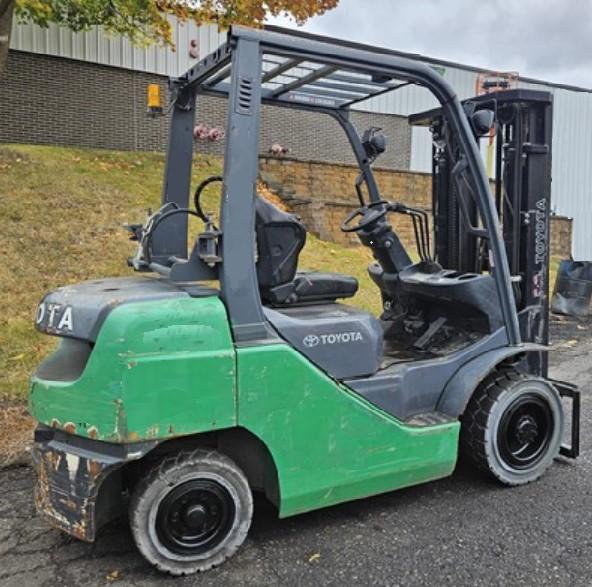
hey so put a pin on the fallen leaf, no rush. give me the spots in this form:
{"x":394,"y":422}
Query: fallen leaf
{"x":314,"y":558}
{"x":113,"y":576}
{"x":572,"y":342}
{"x":18,"y":357}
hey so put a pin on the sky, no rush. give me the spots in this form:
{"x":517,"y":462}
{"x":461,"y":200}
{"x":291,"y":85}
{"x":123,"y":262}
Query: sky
{"x":549,"y":40}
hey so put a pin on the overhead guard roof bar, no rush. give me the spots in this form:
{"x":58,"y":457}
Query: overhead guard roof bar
{"x":202,"y":70}
{"x":326,"y":81}
{"x":288,"y":64}
{"x":297,"y":83}
{"x":314,"y":83}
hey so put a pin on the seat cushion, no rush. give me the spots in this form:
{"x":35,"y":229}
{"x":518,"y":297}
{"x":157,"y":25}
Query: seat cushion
{"x":312,"y":286}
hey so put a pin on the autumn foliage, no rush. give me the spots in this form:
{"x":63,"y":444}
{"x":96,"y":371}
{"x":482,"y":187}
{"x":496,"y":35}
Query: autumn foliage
{"x":146,"y":21}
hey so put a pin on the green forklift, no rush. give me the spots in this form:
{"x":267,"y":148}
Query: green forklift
{"x":224,"y":370}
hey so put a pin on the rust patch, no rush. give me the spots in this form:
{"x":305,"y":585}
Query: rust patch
{"x":120,"y":420}
{"x":53,"y":460}
{"x":70,"y":504}
{"x":94,"y":469}
{"x":56,"y":500}
{"x":133,"y":436}
{"x":55,"y":423}
{"x":41,"y":489}
{"x":92,"y":432}
{"x":152,"y":431}
{"x":70,"y":427}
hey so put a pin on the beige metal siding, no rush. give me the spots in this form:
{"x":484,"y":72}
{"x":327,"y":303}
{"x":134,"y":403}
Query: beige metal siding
{"x":98,"y":47}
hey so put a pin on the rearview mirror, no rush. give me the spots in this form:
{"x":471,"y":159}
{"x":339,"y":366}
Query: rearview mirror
{"x":374,"y":142}
{"x":482,"y":121}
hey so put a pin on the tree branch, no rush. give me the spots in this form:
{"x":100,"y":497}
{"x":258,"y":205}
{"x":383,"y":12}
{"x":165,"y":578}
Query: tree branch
{"x":6,"y":11}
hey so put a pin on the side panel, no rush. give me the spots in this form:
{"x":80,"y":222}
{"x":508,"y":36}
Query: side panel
{"x":158,"y":369}
{"x":330,"y":445}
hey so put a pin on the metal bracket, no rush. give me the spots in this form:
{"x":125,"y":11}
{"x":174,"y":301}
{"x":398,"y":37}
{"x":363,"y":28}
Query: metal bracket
{"x":572,"y":392}
{"x":207,"y":245}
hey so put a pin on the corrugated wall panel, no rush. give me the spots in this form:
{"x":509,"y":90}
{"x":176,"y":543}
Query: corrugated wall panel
{"x":98,"y":47}
{"x":572,"y":165}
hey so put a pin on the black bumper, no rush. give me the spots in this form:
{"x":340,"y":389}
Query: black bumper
{"x":76,"y":489}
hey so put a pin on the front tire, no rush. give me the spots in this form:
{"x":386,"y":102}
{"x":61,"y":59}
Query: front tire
{"x":512,"y":427}
{"x":191,"y":512}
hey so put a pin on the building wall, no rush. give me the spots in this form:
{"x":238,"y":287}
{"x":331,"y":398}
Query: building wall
{"x":572,"y":144}
{"x":322,"y":195}
{"x":309,"y":135}
{"x":51,"y":100}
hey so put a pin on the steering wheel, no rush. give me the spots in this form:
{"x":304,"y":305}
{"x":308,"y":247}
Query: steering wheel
{"x":368,"y":216}
{"x":198,"y":191}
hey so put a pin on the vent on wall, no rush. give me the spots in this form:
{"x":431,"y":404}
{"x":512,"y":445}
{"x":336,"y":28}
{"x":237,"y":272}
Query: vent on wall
{"x":244,"y":96}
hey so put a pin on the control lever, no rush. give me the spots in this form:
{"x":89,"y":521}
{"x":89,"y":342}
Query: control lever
{"x":207,"y":242}
{"x":421,"y":227}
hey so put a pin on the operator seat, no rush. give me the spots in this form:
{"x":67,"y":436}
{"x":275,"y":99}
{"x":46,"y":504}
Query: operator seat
{"x":280,"y":238}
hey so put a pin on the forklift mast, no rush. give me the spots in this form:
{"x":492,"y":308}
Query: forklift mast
{"x":521,"y":186}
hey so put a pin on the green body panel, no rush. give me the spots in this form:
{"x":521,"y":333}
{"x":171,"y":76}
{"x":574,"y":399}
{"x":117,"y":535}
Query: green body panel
{"x":329,"y":445}
{"x":159,"y":369}
{"x":168,"y":368}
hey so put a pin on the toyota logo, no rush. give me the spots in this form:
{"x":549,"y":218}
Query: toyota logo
{"x":311,"y":340}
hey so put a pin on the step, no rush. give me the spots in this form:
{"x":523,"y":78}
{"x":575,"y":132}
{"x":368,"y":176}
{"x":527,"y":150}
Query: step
{"x":429,"y":419}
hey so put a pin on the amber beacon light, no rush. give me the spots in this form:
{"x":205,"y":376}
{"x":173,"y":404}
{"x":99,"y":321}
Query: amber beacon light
{"x":154,"y":104}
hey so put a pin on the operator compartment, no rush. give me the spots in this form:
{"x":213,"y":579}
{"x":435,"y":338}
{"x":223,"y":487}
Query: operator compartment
{"x":342,"y":340}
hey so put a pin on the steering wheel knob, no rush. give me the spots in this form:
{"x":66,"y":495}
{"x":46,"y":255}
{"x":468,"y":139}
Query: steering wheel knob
{"x":368,"y":216}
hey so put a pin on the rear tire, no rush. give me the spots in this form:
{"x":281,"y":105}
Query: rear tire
{"x":512,"y":427}
{"x":191,"y":512}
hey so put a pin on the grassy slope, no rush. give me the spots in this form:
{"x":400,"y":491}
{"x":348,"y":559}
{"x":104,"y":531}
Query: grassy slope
{"x":61,"y":212}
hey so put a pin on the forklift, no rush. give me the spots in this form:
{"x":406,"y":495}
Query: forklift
{"x":224,"y":370}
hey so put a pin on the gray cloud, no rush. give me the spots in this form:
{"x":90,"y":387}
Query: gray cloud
{"x":546,"y":39}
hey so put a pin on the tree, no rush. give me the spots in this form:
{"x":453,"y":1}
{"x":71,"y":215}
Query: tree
{"x":145,"y":21}
{"x":6,"y":10}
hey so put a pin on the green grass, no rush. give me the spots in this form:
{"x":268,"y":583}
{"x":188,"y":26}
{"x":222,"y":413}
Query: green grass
{"x":61,"y":216}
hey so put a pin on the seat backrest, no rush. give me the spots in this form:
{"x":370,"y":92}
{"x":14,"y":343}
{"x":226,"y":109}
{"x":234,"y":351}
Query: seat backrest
{"x":280,"y":238}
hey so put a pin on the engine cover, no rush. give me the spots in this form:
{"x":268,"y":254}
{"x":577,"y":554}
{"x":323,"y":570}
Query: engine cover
{"x":78,"y":311}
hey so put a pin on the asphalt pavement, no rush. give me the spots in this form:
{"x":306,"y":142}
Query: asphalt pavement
{"x":464,"y":530}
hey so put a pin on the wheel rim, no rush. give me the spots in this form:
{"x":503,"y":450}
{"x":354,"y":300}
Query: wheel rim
{"x":525,"y":431}
{"x":195,"y":516}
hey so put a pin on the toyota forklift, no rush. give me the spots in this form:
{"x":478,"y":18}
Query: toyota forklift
{"x":224,"y":370}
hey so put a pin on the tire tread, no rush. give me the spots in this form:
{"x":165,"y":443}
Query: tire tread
{"x":475,"y":418}
{"x":158,"y":472}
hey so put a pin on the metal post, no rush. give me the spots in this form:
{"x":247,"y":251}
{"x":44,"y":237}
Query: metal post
{"x":238,"y":276}
{"x":170,"y":239}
